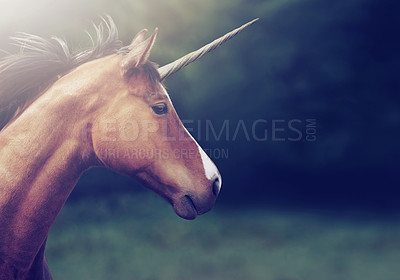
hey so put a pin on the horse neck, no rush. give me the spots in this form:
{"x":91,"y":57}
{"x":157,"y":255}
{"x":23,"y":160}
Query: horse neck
{"x":42,"y":155}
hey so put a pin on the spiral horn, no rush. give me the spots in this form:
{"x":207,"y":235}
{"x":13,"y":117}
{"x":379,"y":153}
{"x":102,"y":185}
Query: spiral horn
{"x":173,"y":67}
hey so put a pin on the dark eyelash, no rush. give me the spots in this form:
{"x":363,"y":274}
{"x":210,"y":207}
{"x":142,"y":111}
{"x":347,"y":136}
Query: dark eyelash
{"x":160,"y":108}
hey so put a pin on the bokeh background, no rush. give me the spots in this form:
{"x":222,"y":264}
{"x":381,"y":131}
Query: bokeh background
{"x":306,"y":102}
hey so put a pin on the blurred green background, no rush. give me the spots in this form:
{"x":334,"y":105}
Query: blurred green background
{"x":290,"y":208}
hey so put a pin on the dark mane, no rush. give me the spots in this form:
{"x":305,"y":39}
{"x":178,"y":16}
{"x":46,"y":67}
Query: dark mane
{"x":26,"y":75}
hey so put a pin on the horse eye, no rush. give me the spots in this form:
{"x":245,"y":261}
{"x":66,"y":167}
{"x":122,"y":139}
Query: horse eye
{"x":160,"y":108}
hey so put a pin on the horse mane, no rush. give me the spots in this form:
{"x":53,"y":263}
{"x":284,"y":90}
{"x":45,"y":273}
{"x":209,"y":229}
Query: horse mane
{"x":40,"y":62}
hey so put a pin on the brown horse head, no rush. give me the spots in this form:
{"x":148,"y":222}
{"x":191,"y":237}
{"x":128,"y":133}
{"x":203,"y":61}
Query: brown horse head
{"x":61,"y":113}
{"x":138,"y":133}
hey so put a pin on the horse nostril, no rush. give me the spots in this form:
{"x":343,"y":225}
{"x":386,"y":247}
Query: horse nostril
{"x":216,"y":186}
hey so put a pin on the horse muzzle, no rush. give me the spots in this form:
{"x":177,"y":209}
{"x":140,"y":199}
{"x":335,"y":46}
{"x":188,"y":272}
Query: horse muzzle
{"x":191,"y":205}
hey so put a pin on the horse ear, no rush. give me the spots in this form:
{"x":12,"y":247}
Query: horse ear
{"x":139,"y":51}
{"x":139,"y":38}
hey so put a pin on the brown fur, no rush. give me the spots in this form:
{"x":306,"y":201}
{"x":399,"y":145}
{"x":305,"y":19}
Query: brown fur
{"x":66,"y":130}
{"x":26,"y":75}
